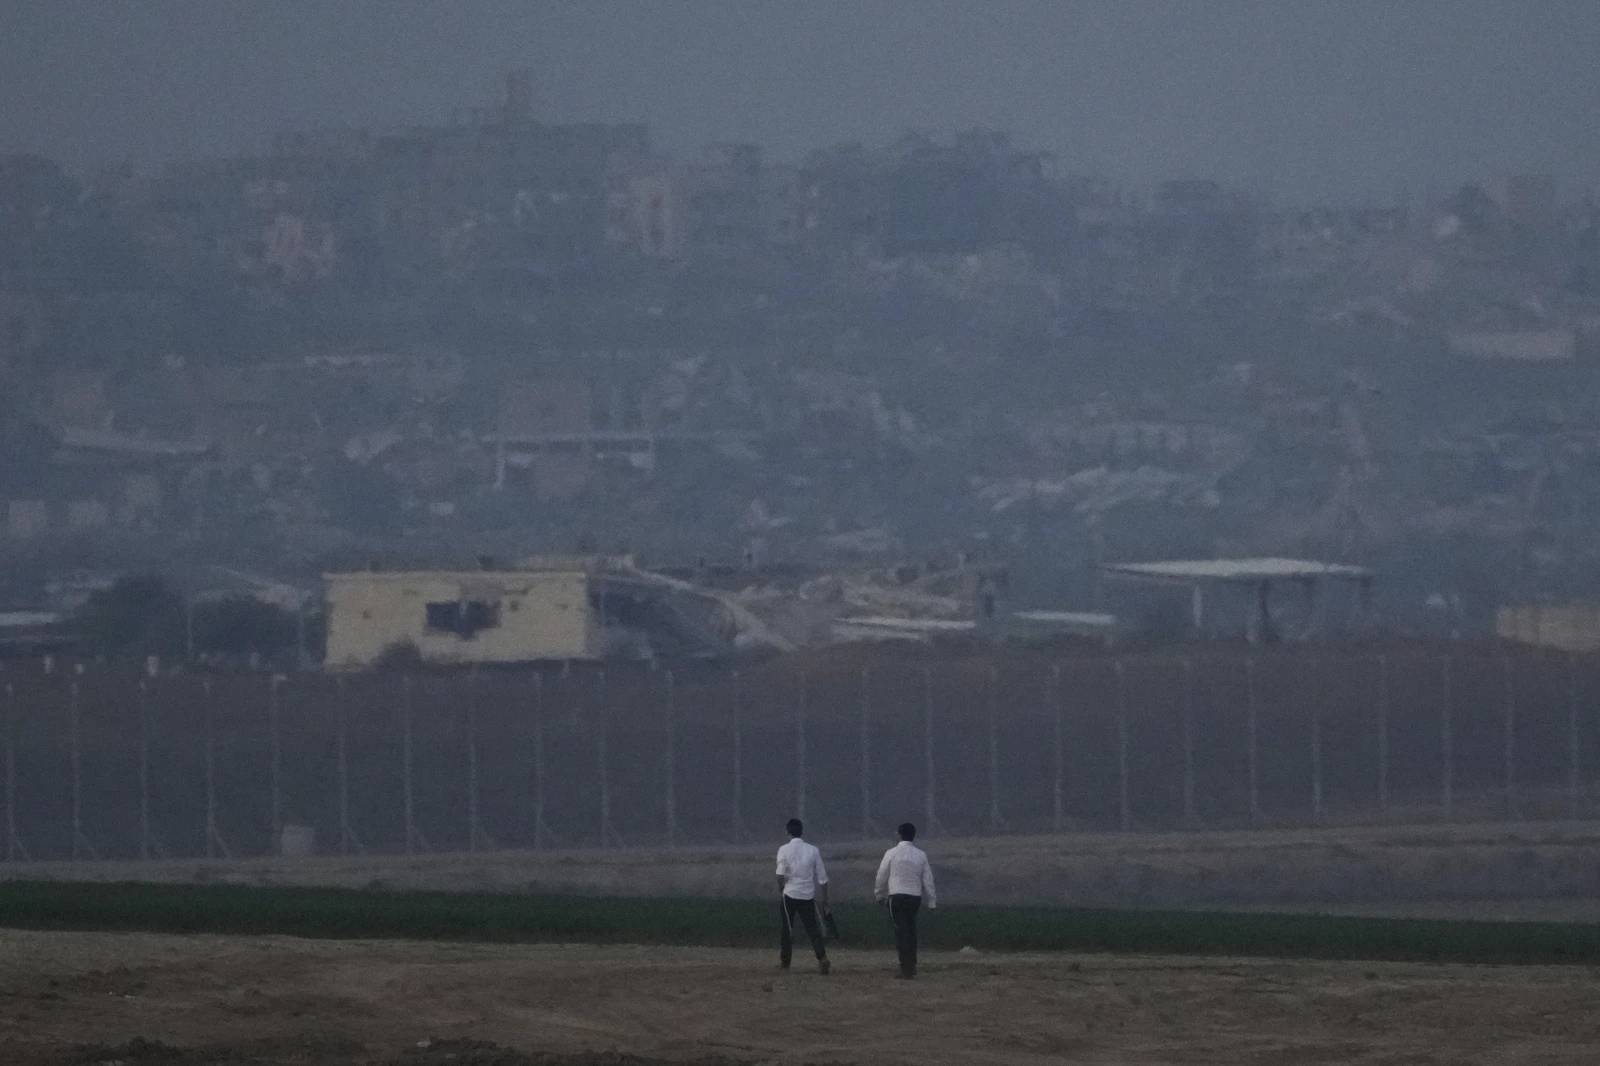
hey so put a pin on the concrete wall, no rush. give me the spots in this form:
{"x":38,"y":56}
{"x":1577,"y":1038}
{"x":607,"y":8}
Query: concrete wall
{"x":537,"y":615}
{"x":1568,"y":627}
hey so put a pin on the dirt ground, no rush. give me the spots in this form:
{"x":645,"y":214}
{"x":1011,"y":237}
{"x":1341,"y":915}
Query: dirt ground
{"x":142,"y":1000}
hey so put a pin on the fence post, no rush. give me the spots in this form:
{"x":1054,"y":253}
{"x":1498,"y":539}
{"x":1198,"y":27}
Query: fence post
{"x":346,"y":836}
{"x":1447,"y":744}
{"x":14,"y":848}
{"x":1059,"y":812}
{"x":598,"y":720}
{"x":275,"y":757}
{"x":1508,"y":671}
{"x":482,"y":838}
{"x":929,"y":813}
{"x":472,"y":761}
{"x":76,"y":757}
{"x":210,"y":770}
{"x":737,"y":821}
{"x":800,"y":749}
{"x":408,"y":795}
{"x":538,"y":763}
{"x":1191,"y":815}
{"x":608,"y":835}
{"x":669,"y":795}
{"x":5,"y":756}
{"x":1316,"y":742}
{"x":1250,"y":737}
{"x":1383,"y":734}
{"x":866,"y":754}
{"x":1574,"y":778}
{"x":996,"y":821}
{"x":1124,"y":807}
{"x":144,"y":770}
{"x":214,"y":837}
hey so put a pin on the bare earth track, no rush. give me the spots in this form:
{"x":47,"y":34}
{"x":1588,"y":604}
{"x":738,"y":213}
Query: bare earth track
{"x":143,"y":999}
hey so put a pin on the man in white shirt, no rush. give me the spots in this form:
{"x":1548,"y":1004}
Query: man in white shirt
{"x":803,"y":882}
{"x":904,"y":880}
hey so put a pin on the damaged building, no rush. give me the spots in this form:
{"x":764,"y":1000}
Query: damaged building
{"x":551,"y":608}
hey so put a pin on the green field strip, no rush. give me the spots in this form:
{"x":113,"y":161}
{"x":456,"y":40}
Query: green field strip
{"x":503,"y":918}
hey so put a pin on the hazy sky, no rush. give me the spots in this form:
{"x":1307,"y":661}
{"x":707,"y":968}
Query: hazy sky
{"x":1350,"y":98}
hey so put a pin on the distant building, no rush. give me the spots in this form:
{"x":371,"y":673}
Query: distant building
{"x":22,"y":328}
{"x":29,"y":633}
{"x":646,"y":212}
{"x":27,"y":519}
{"x":1520,"y":345}
{"x":77,"y":399}
{"x":549,"y":608}
{"x":1258,"y":577}
{"x":546,"y":437}
{"x":1568,"y":627}
{"x":472,"y":616}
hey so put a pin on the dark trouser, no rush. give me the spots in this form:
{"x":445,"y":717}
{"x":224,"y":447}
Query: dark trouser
{"x":806,"y":911}
{"x":903,"y":911}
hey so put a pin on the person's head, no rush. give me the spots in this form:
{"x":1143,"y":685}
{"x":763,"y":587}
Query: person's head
{"x":795,"y":827}
{"x":908,"y":832}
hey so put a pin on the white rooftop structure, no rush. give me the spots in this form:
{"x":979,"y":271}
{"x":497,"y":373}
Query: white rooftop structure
{"x":1245,"y":570}
{"x":29,"y":619}
{"x":878,"y":627}
{"x":1259,"y":573}
{"x":1075,"y":619}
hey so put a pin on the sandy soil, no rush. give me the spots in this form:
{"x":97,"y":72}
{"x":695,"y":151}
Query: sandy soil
{"x":141,"y":999}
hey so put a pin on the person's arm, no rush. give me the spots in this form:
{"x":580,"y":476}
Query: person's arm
{"x":927,"y":884}
{"x":880,"y":888}
{"x":783,"y":871}
{"x":822,"y":883}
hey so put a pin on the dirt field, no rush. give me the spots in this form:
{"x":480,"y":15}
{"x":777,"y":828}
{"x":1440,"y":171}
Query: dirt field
{"x":141,"y":1000}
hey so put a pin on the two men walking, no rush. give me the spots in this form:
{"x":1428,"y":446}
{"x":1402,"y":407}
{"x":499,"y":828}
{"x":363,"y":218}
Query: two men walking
{"x":904,"y":879}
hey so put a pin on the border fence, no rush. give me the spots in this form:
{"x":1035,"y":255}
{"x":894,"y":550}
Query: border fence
{"x":101,"y":764}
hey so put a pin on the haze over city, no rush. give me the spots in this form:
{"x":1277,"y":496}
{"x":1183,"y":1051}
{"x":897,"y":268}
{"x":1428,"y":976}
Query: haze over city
{"x":1337,"y":100}
{"x":633,"y":489}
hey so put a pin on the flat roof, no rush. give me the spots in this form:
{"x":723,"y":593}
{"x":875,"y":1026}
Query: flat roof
{"x":918,"y":625}
{"x":1086,"y":619}
{"x":28,"y":619}
{"x":1261,"y":569}
{"x":130,"y":444}
{"x":507,"y":571}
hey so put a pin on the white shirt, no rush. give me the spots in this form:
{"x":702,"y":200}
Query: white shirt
{"x":802,"y":865}
{"x":904,"y":871}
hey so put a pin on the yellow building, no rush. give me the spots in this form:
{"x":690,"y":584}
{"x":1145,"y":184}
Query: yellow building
{"x":536,"y":612}
{"x":1568,"y":627}
{"x":549,"y":608}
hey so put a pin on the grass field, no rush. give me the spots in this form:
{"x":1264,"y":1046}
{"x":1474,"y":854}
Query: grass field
{"x":1469,"y":870}
{"x":501,"y":918}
